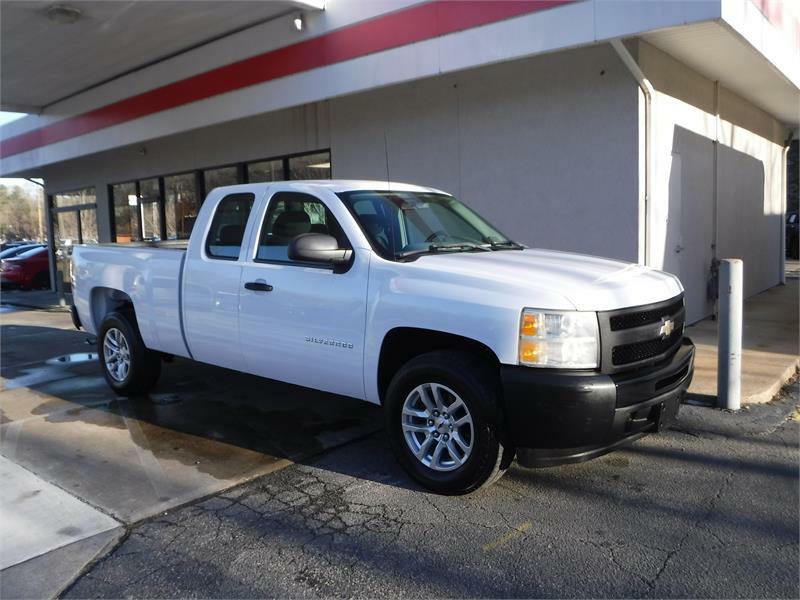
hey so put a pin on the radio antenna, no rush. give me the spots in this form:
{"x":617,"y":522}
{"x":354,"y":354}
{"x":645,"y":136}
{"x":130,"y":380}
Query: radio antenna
{"x":386,"y":154}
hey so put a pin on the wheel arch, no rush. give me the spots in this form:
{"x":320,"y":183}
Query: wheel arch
{"x":401,"y":344}
{"x":103,"y":301}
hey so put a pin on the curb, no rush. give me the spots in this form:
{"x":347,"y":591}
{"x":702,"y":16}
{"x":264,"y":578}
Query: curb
{"x":769,"y":394}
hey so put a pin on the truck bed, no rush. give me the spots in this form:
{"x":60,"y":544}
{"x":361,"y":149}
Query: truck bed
{"x":149,"y":273}
{"x":166,"y":244}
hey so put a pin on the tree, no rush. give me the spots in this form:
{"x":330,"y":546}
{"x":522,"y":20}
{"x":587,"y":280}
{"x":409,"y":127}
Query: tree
{"x":19,"y":214}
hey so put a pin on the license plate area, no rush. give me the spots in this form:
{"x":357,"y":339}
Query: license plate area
{"x":654,"y":417}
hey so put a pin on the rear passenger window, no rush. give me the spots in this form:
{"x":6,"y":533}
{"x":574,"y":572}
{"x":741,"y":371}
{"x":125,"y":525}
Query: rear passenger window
{"x":291,"y":214}
{"x":227,"y":228}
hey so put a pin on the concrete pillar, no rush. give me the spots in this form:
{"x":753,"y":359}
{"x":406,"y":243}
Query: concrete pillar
{"x":105,"y":212}
{"x":729,"y":357}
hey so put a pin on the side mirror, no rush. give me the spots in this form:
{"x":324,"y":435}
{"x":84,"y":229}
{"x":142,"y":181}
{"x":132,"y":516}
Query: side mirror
{"x":318,"y":248}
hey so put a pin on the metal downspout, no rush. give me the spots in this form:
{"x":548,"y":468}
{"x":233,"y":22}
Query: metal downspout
{"x":649,"y":93}
{"x":784,"y":208}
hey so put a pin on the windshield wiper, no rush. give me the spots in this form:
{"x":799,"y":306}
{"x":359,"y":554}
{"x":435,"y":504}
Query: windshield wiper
{"x":433,"y":248}
{"x":504,"y":245}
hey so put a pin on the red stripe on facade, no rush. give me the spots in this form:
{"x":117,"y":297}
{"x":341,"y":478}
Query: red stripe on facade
{"x":414,"y":24}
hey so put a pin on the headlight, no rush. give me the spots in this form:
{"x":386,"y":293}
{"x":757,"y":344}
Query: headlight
{"x":563,"y":340}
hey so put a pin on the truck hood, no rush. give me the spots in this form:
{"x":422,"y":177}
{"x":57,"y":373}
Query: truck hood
{"x":587,"y":282}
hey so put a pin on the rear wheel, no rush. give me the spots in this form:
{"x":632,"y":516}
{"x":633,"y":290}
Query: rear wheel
{"x":442,"y":415}
{"x":128,"y":366}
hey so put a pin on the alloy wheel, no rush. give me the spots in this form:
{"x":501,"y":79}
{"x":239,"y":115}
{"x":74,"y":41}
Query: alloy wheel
{"x":437,"y":427}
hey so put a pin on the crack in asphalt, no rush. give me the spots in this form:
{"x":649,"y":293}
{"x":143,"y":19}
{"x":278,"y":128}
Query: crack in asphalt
{"x":695,"y":525}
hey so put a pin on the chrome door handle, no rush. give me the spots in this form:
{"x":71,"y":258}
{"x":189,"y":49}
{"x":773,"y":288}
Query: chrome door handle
{"x":258,"y":286}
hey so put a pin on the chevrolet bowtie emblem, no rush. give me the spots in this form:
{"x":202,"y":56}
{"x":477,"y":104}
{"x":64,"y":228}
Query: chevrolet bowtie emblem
{"x":667,"y":325}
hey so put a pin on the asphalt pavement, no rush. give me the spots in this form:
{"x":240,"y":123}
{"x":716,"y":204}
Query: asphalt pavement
{"x":219,"y":484}
{"x":708,"y":509}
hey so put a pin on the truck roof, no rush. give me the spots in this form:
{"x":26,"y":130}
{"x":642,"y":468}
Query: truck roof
{"x":346,"y":185}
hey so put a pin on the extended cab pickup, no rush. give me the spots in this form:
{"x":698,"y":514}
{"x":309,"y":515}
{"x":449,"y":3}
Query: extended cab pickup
{"x":478,"y":348}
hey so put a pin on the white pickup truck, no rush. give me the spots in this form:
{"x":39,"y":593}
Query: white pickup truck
{"x":478,"y":348}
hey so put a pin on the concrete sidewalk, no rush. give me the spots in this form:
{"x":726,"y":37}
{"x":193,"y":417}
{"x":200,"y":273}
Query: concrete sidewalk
{"x":38,"y":299}
{"x":769,"y":346}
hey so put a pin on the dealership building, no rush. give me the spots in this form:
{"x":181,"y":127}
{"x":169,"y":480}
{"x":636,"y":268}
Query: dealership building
{"x":650,"y":131}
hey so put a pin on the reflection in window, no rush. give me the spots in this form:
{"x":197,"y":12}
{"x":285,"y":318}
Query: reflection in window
{"x":88,"y":226}
{"x":267,"y":170}
{"x":84,"y":196}
{"x":151,"y":221}
{"x":148,"y":190}
{"x":151,"y":213}
{"x":180,"y":205}
{"x":291,"y":214}
{"x":67,"y":228}
{"x":310,"y":166}
{"x":219,"y":177}
{"x":126,"y":213}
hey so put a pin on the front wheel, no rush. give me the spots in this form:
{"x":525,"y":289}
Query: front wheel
{"x":442,"y":415}
{"x":128,"y":366}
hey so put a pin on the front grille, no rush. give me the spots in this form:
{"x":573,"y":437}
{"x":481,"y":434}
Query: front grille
{"x":645,"y":317}
{"x":632,"y":337}
{"x":638,"y":351}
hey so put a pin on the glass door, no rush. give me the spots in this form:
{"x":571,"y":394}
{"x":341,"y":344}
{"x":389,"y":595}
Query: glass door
{"x":74,"y":222}
{"x":67,"y":234}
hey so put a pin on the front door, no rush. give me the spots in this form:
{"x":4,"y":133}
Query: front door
{"x":303,"y":323}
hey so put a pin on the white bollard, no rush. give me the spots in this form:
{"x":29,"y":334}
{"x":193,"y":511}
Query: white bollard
{"x":729,"y":327}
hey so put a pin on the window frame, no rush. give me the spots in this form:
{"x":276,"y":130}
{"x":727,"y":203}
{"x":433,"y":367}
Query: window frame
{"x":296,"y":263}
{"x":206,"y":253}
{"x":77,"y":208}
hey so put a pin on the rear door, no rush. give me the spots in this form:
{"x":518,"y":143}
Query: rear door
{"x":303,"y":323}
{"x":211,"y":280}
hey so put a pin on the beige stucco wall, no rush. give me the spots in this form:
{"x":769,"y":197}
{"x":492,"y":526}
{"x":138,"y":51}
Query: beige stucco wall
{"x":746,"y":223}
{"x":301,"y":129}
{"x":546,"y":148}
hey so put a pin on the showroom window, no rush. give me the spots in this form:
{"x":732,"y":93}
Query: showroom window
{"x":219,"y":177}
{"x":126,"y":213}
{"x":84,"y":196}
{"x":310,"y":166}
{"x":181,"y":205}
{"x":166,"y":207}
{"x":264,"y":171}
{"x":150,"y":203}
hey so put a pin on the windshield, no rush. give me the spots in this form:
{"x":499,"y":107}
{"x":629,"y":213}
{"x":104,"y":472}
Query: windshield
{"x":30,"y":252}
{"x":402,"y":225}
{"x":16,"y":250}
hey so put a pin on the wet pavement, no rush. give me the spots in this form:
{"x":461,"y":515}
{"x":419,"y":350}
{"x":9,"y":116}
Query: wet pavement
{"x":202,"y":430}
{"x":706,"y":510}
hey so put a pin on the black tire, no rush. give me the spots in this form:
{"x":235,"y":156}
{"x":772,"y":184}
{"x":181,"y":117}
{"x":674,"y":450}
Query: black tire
{"x":41,"y":281}
{"x":476,"y":384}
{"x":144,"y":366}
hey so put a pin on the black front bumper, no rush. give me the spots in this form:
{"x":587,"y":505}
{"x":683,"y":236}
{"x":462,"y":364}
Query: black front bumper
{"x":554,"y":417}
